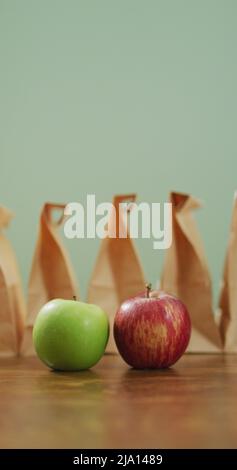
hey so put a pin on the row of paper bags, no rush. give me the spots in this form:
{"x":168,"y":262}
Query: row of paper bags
{"x":117,"y":276}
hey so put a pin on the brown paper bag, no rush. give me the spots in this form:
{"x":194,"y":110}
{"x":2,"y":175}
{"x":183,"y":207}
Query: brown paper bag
{"x":228,"y":297}
{"x":51,"y":273}
{"x":186,"y":275}
{"x":117,"y":274}
{"x":12,"y":304}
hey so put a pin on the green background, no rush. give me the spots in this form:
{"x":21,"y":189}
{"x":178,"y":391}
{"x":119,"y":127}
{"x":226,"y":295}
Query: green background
{"x":117,"y":96}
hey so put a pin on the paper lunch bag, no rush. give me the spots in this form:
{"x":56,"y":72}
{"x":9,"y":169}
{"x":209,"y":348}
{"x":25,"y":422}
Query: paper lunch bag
{"x":228,"y":297}
{"x":117,"y":273}
{"x":12,"y":303}
{"x":51,"y":273}
{"x":185,"y":274}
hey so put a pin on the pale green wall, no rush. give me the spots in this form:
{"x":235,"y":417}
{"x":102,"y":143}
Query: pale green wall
{"x":110,"y":96}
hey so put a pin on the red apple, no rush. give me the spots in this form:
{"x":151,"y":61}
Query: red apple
{"x":152,"y":330}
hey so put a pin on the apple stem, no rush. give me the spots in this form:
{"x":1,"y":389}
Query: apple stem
{"x":74,"y":297}
{"x":148,"y":290}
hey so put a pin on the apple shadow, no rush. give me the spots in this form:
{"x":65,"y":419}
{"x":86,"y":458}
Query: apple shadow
{"x":148,"y":383}
{"x":149,"y":373}
{"x":87,"y":383}
{"x":87,"y":373}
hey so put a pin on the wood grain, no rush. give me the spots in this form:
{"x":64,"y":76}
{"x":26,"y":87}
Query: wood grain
{"x":193,"y":404}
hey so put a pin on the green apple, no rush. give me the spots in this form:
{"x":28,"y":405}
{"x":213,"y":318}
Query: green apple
{"x":70,"y":335}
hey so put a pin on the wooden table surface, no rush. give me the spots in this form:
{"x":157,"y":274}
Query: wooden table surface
{"x":193,"y":404}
